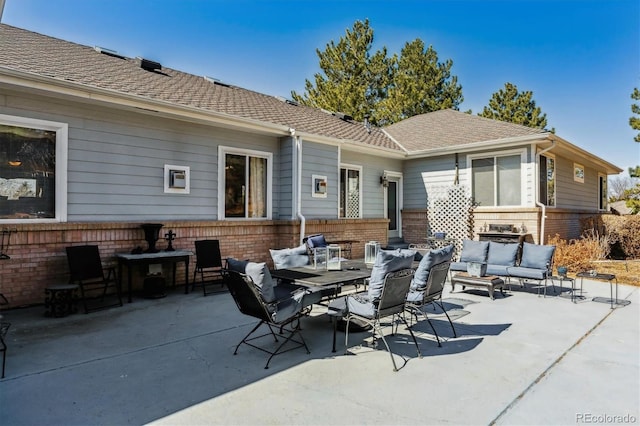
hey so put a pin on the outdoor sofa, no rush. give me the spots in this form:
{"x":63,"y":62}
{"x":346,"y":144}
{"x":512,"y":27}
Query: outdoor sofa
{"x":510,"y":260}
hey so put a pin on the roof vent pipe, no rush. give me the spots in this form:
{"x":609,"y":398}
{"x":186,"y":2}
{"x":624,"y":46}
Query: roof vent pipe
{"x":367,"y":124}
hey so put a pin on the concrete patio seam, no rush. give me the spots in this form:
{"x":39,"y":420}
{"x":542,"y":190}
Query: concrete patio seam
{"x":548,"y":369}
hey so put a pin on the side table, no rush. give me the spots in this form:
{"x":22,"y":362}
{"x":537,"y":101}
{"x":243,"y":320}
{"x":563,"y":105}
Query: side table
{"x":604,"y":277}
{"x":561,"y":278}
{"x":60,"y":300}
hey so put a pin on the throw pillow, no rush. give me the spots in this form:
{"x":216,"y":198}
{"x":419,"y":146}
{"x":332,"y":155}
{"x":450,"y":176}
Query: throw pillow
{"x":237,"y":265}
{"x":503,"y":254}
{"x":316,"y":241}
{"x":290,"y":257}
{"x":387,"y":261}
{"x":474,"y":251}
{"x":261,"y":277}
{"x":536,"y":256}
{"x":432,"y":257}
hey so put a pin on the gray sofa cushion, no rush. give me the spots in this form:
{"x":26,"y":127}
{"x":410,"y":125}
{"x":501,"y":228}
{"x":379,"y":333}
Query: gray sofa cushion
{"x":387,"y":261}
{"x":536,"y":256}
{"x":458,"y":266}
{"x":261,"y":276}
{"x":290,"y":257}
{"x":432,"y":257}
{"x":530,"y":273}
{"x":474,"y":251}
{"x":500,"y":270}
{"x":503,"y":254}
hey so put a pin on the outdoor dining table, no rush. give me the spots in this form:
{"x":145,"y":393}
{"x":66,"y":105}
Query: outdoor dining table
{"x":352,"y":272}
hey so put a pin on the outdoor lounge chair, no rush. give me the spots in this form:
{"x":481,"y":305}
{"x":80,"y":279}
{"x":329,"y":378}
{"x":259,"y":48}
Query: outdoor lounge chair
{"x":279,"y":316}
{"x":390,"y":304}
{"x":85,"y":269}
{"x":431,"y":293}
{"x":208,"y":264}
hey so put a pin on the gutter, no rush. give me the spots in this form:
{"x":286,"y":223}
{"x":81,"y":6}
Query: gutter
{"x":537,"y":190}
{"x":297,"y":190}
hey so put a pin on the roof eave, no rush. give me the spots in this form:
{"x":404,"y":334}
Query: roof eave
{"x":483,"y":145}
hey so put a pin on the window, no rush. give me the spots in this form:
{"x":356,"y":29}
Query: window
{"x":33,"y":170}
{"x":602,"y":191}
{"x":547,"y":181}
{"x":497,"y":180}
{"x":246,"y":184}
{"x":350,"y":191}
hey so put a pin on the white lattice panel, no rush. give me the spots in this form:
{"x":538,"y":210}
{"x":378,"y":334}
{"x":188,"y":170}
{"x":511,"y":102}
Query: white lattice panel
{"x":353,"y":205}
{"x":450,"y":210}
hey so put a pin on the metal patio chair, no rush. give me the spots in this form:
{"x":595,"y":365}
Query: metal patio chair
{"x":85,"y":269}
{"x":391,"y":304}
{"x":281,"y":317}
{"x":208,"y":264}
{"x":432,"y":294}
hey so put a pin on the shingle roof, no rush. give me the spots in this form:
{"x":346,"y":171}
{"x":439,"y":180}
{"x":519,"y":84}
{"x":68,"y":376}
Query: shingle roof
{"x":452,"y":128}
{"x":30,"y":52}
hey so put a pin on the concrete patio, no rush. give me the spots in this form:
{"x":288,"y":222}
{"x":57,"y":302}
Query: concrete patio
{"x":521,"y":359}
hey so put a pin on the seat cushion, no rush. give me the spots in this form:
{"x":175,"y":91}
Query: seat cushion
{"x":290,"y":257}
{"x":432,"y":257}
{"x":536,"y":256}
{"x":261,"y":277}
{"x":503,"y":254}
{"x":474,"y":251}
{"x":458,"y":266}
{"x":388,"y":261}
{"x":530,"y":273}
{"x":500,"y":270}
{"x":362,"y":305}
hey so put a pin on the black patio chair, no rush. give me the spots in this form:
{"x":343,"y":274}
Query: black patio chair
{"x":282,"y":315}
{"x":391,"y":304}
{"x":96,"y":289}
{"x":208,"y":265}
{"x":432,"y":294}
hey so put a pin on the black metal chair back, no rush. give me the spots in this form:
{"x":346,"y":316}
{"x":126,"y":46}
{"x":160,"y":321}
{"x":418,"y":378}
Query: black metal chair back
{"x":86,"y":270}
{"x":208,"y":264}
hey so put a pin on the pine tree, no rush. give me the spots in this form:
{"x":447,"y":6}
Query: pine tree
{"x":420,"y":84}
{"x":510,"y":105}
{"x":387,"y":89}
{"x":634,"y":122}
{"x":353,"y":81}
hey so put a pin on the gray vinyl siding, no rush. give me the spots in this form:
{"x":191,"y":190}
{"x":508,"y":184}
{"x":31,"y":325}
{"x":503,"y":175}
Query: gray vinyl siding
{"x":422,"y":174}
{"x":116,"y":160}
{"x":576,"y":195}
{"x":319,"y":159}
{"x":283,"y":186}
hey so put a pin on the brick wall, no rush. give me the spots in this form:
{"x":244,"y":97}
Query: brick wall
{"x":38,"y":257}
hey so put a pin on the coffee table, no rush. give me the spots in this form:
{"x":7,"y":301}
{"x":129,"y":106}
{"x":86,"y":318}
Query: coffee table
{"x":488,"y":282}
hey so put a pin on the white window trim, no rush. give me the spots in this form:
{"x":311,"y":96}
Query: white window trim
{"x":397,"y":176}
{"x":523,"y":173}
{"x":62,"y":144}
{"x":359,"y":169}
{"x":537,"y":176}
{"x":222,"y":151}
{"x":606,"y":195}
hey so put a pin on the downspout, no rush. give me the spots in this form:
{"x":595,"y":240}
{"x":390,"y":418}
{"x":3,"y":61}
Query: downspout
{"x":537,"y":192}
{"x":297,"y":192}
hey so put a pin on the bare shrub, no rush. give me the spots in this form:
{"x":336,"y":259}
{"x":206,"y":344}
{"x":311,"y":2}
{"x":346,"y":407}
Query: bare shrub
{"x":624,"y":230}
{"x":579,"y":254}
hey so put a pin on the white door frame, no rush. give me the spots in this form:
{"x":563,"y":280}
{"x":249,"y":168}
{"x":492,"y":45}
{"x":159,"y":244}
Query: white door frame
{"x":395,"y":177}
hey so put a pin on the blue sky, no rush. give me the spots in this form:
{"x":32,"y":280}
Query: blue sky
{"x":580,"y":58}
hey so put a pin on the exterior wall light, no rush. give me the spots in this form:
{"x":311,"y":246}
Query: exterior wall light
{"x":384,"y":181}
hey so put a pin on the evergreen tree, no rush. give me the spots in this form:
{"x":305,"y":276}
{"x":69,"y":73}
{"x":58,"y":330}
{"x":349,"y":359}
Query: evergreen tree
{"x":353,"y":80}
{"x":420,"y":84}
{"x":387,"y":89}
{"x":513,"y":106}
{"x":634,"y":121}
